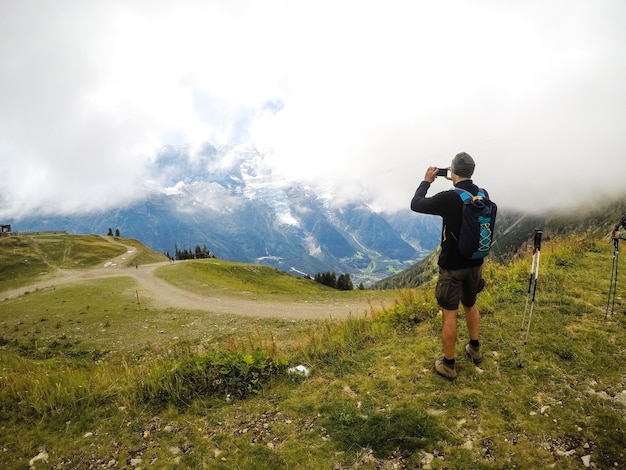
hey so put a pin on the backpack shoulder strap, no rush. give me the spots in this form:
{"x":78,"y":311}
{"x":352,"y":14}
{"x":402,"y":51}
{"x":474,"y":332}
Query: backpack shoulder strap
{"x":465,"y":195}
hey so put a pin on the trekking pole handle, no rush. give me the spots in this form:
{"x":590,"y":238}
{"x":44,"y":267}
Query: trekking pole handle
{"x":537,"y":243}
{"x":616,"y":233}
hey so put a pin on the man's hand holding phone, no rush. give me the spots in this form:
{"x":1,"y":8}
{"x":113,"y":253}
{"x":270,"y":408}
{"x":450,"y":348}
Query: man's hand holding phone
{"x":433,"y":172}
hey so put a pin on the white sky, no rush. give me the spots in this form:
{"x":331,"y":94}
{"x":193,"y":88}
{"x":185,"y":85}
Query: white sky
{"x":362,"y":95}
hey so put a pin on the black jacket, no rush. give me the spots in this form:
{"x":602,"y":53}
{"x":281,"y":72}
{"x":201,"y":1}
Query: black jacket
{"x":448,"y":205}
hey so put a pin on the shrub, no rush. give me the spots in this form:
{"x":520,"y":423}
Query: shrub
{"x":411,"y":308}
{"x":235,"y":375}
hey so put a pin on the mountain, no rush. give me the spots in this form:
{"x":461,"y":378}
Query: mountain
{"x":229,"y":200}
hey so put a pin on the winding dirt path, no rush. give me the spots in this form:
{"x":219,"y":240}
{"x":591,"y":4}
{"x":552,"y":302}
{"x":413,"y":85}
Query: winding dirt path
{"x":162,"y":294}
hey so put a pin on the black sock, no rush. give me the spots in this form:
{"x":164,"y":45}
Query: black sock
{"x":474,"y":343}
{"x":448,"y":362}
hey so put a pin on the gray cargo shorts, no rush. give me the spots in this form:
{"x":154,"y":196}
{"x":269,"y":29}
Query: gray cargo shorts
{"x":456,"y":285}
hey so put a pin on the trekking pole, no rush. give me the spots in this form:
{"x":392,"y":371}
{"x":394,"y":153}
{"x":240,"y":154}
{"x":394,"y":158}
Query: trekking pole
{"x":613,"y":283}
{"x":532,"y":289}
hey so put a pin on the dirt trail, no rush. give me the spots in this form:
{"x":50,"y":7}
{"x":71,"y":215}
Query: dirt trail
{"x":161,"y":294}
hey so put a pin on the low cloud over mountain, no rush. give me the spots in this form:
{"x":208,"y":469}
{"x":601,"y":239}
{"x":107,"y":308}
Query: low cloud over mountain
{"x":230,"y":201}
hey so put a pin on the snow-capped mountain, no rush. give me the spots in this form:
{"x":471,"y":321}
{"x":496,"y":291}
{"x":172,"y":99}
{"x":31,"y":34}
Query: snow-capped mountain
{"x":230,"y":201}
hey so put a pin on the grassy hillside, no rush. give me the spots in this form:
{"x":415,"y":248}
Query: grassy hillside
{"x":515,"y":229}
{"x":220,"y":277}
{"x":25,"y":258}
{"x":78,"y":392}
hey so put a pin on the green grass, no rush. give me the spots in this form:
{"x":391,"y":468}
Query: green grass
{"x":100,"y":316}
{"x":141,"y":254}
{"x":199,"y":390}
{"x":220,"y":277}
{"x":25,"y":258}
{"x":215,"y":275}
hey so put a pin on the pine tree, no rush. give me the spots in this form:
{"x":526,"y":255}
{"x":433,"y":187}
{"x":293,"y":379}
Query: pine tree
{"x":344,"y":282}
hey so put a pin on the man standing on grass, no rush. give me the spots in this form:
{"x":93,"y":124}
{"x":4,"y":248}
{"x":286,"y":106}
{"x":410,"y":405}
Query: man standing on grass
{"x":460,"y":278}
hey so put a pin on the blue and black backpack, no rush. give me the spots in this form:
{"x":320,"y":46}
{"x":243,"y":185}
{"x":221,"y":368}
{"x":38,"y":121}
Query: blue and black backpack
{"x":477,"y":224}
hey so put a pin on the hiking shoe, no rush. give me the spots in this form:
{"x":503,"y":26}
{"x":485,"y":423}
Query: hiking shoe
{"x":445,"y":371}
{"x":473,"y":353}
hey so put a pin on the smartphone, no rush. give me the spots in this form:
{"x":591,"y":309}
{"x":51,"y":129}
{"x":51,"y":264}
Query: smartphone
{"x":442,"y":172}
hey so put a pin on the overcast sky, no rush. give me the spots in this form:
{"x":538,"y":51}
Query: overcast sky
{"x":360,"y":94}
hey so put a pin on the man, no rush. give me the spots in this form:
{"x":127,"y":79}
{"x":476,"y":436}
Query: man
{"x":460,"y":278}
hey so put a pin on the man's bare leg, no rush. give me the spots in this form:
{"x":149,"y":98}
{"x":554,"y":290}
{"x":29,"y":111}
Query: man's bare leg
{"x":448,"y":332}
{"x":472,"y":318}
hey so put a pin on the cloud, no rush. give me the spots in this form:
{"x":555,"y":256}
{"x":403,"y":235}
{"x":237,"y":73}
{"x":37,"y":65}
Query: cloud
{"x":360,"y":96}
{"x":533,"y":94}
